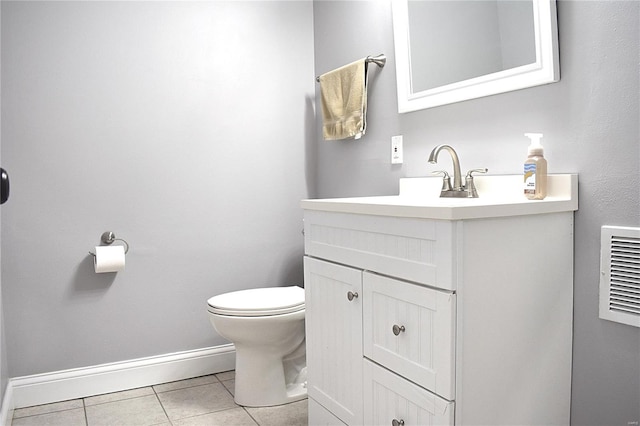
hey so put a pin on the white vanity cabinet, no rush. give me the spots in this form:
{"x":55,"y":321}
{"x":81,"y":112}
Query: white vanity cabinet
{"x":441,"y":318}
{"x":408,"y":328}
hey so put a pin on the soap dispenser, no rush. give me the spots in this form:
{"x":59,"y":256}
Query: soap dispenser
{"x":535,"y":169}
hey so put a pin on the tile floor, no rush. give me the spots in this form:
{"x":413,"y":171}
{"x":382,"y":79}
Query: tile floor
{"x":202,"y":401}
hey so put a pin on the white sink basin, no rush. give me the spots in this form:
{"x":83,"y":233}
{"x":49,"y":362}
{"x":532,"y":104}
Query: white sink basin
{"x":498,"y":196}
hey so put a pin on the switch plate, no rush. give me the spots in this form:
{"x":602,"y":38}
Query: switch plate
{"x":396,"y":149}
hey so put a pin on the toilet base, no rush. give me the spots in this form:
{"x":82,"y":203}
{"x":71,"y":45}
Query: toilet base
{"x":270,"y":389}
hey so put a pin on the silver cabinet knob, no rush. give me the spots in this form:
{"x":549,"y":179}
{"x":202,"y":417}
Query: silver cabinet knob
{"x":352,"y":296}
{"x":396,"y":422}
{"x":397,"y":329}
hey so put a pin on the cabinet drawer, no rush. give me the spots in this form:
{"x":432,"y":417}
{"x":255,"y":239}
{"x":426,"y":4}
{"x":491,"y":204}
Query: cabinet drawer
{"x":410,"y":329}
{"x":419,"y":250}
{"x":389,"y":397}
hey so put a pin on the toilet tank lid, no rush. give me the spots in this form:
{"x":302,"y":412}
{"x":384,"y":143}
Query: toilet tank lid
{"x":259,"y":299}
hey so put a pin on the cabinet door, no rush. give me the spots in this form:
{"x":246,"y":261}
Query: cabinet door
{"x":410,"y":329}
{"x":333,"y":299}
{"x":389,"y":397}
{"x":320,"y":416}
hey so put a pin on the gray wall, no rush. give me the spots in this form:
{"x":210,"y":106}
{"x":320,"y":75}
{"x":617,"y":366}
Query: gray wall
{"x":184,"y":128}
{"x":590,"y":121}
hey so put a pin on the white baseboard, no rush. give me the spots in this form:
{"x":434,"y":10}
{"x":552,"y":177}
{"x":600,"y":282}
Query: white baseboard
{"x":82,"y":382}
{"x":6,"y":412}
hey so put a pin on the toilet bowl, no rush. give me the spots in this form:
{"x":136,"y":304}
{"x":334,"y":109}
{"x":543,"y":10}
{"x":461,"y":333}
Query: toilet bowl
{"x":266,"y":325}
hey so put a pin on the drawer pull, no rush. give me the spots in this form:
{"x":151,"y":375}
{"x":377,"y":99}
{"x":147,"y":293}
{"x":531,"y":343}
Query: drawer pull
{"x":352,"y":296}
{"x":397,"y":422}
{"x":397,"y":329}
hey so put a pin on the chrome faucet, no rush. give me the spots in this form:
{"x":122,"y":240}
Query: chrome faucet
{"x":433,"y":159}
{"x":468,"y":190}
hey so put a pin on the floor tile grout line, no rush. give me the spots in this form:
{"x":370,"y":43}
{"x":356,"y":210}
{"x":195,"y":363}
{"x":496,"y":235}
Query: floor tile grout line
{"x":115,"y":400}
{"x":49,"y":413}
{"x":249,"y":414}
{"x":234,"y":400}
{"x":45,"y":412}
{"x":164,"y":410}
{"x":216,"y":412}
{"x":84,"y":408}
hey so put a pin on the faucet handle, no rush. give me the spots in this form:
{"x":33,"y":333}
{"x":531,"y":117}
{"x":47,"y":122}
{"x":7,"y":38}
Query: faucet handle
{"x":469,"y":185}
{"x":446,"y":179}
{"x":483,"y":170}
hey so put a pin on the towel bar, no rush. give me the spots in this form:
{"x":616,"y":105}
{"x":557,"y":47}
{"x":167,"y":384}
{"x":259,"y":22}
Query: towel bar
{"x":379,"y":60}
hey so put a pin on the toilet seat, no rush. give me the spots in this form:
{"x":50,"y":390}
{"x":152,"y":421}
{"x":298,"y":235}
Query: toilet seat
{"x":258,"y":302}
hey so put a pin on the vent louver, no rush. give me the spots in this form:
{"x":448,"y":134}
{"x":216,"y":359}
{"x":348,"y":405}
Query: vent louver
{"x":620,"y":275}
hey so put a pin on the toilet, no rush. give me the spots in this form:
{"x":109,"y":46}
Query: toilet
{"x":266,"y":325}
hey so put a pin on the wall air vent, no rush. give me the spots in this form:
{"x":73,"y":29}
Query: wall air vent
{"x":620,"y":275}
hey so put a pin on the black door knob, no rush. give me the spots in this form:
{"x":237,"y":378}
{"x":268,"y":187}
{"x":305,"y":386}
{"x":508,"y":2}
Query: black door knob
{"x":4,"y":186}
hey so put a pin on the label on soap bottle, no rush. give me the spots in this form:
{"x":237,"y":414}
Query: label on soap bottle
{"x":529,"y":178}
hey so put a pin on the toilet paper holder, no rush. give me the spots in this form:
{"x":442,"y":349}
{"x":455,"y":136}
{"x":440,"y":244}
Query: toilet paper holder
{"x":109,"y":238}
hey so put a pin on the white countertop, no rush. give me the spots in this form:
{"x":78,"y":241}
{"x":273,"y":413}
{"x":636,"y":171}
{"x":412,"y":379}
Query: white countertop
{"x":499,"y":196}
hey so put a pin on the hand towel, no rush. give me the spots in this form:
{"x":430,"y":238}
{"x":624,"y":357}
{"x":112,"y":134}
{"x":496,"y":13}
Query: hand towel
{"x":344,"y":101}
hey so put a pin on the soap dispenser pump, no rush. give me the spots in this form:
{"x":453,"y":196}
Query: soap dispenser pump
{"x":535,"y":169}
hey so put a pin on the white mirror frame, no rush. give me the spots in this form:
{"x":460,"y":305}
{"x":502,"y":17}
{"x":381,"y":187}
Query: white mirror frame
{"x":545,"y":70}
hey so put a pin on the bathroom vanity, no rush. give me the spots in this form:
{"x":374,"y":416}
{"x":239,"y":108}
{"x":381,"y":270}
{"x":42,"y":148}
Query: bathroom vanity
{"x":424,"y":310}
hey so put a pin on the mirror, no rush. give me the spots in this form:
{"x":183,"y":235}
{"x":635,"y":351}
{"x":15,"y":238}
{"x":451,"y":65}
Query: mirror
{"x":451,"y":51}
